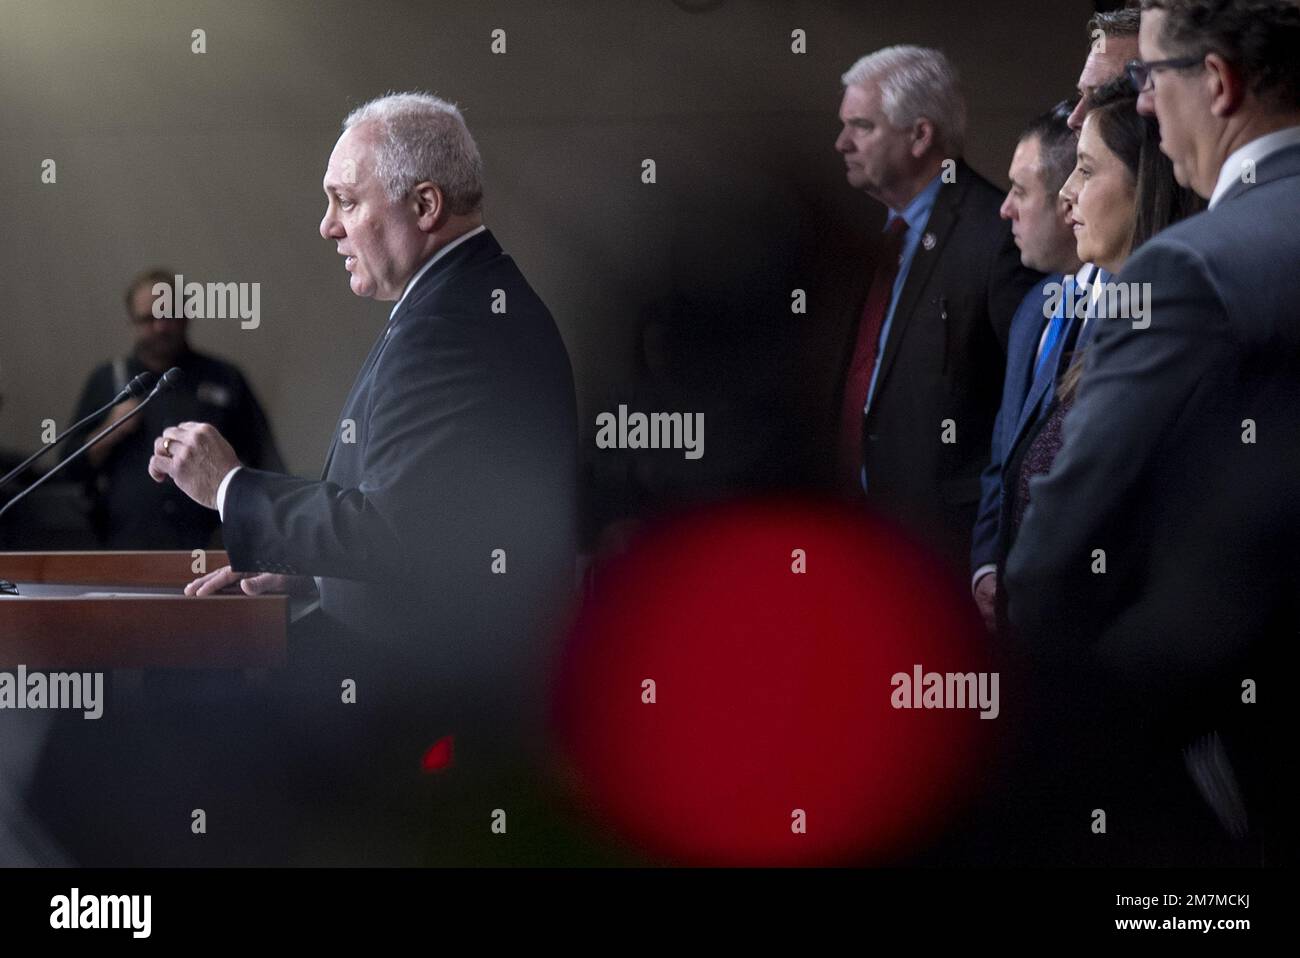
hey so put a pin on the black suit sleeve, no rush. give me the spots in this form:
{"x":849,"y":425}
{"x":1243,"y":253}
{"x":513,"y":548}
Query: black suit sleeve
{"x":423,"y":453}
{"x":1138,"y":384}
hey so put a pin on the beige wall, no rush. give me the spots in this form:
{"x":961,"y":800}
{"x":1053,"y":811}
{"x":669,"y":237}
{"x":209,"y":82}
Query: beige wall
{"x":212,"y":163}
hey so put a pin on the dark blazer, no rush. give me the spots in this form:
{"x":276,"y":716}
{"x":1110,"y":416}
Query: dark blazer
{"x":1017,"y":406}
{"x":944,"y":359}
{"x":1180,"y":462}
{"x":465,"y":443}
{"x":1039,"y":407}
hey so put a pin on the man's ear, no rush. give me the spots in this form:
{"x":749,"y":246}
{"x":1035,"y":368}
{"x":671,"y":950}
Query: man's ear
{"x":922,"y":137}
{"x":1225,"y":84}
{"x":430,"y":206}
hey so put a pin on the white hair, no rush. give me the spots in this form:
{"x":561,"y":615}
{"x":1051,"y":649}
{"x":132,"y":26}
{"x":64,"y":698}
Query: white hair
{"x":916,"y":82}
{"x":422,"y":137}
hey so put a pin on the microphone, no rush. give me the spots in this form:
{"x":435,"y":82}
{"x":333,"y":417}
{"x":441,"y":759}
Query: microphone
{"x":165,"y":382}
{"x":136,"y":387}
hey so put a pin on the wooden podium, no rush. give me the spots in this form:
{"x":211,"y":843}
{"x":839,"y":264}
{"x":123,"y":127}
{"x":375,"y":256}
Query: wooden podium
{"x":128,"y":610}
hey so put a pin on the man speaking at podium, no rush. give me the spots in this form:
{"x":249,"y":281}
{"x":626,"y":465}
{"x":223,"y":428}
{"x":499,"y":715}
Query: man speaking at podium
{"x":440,"y":535}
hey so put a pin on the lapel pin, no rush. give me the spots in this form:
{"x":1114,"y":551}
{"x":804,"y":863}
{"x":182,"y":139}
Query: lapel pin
{"x":928,"y":241}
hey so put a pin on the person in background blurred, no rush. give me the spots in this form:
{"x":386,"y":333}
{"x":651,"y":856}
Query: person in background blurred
{"x":130,"y":511}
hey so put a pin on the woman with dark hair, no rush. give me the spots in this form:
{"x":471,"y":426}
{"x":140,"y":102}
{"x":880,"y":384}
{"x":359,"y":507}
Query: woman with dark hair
{"x":1122,"y":192}
{"x":1121,"y":173}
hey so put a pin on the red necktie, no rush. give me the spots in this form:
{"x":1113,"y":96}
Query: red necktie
{"x":864,"y":355}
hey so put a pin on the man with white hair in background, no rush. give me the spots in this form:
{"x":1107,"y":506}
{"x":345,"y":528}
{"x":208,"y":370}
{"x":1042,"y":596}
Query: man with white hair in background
{"x":923,"y":373}
{"x":440,"y":534}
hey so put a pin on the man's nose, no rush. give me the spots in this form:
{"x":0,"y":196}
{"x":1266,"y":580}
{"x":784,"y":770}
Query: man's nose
{"x":1146,"y":104}
{"x":842,"y":142}
{"x":330,"y":227}
{"x":1005,"y":210}
{"x":1075,"y":120}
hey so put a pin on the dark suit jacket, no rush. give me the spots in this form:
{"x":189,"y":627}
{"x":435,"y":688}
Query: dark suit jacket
{"x":465,"y":443}
{"x":1039,"y":406}
{"x":944,"y":359}
{"x":1199,"y":524}
{"x":1017,"y":406}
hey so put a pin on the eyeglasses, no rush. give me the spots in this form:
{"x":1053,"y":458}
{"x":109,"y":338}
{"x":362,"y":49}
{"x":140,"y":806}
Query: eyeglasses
{"x":1139,"y":73}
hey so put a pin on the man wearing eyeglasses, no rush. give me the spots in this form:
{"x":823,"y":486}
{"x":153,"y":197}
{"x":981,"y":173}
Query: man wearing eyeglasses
{"x":1156,"y":564}
{"x":129,"y":511}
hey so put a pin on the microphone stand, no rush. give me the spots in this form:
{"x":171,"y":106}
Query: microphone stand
{"x":136,"y":387}
{"x":169,"y":379}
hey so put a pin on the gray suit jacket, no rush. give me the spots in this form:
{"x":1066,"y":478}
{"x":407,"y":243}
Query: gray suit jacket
{"x":1181,"y":469}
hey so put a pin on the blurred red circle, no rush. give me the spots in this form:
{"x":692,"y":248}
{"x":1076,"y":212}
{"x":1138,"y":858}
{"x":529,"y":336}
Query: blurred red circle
{"x":772,"y":689}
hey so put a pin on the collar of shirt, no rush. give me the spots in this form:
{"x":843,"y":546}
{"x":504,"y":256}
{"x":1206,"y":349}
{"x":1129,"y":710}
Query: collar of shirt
{"x":1071,"y":284}
{"x":1254,"y":151}
{"x":431,"y":260}
{"x":917,"y":213}
{"x":1092,"y":279}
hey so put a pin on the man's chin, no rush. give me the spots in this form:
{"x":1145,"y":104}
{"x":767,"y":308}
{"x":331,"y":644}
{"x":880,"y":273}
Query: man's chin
{"x":1180,"y":169}
{"x":1187,"y":179}
{"x":864,"y":185}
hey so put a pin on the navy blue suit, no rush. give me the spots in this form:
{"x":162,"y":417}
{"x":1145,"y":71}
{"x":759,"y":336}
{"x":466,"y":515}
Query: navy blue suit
{"x":1021,"y":393}
{"x":1038,"y":406}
